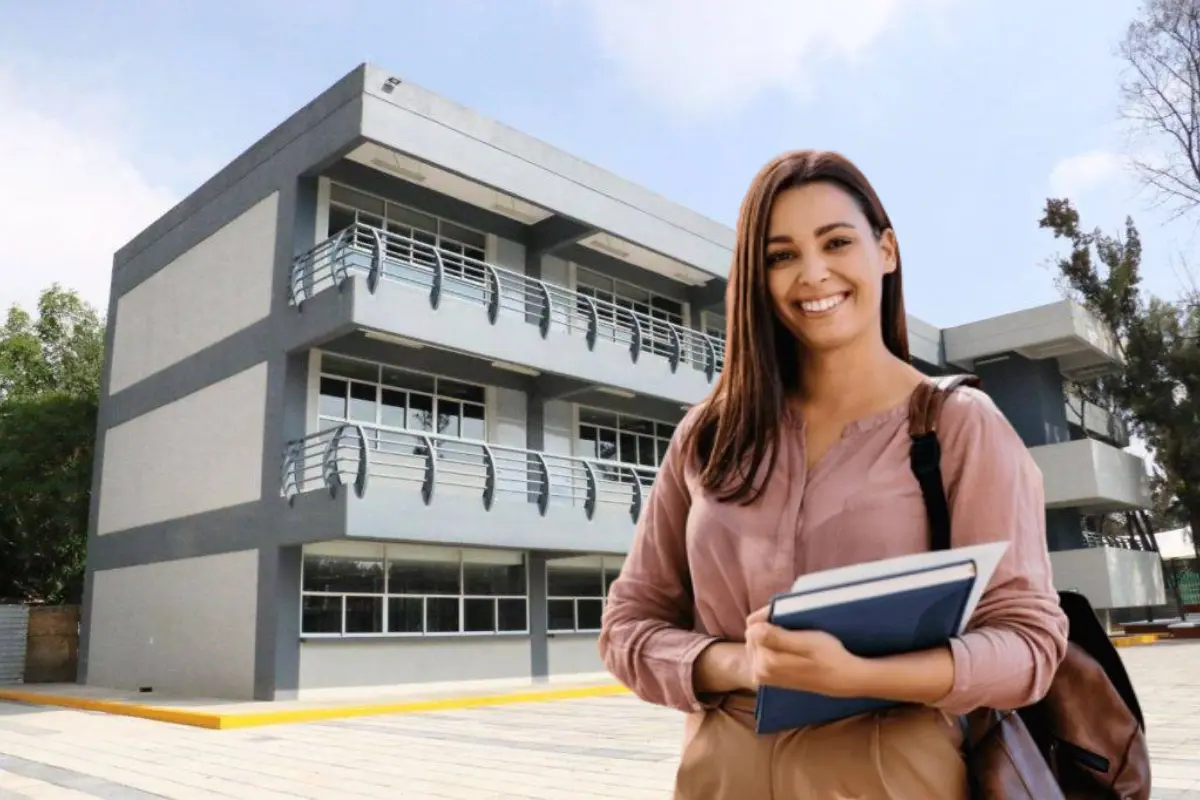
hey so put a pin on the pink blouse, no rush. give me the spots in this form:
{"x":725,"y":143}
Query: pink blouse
{"x":860,"y":502}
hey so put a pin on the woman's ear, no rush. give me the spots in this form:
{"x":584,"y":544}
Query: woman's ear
{"x":887,"y":245}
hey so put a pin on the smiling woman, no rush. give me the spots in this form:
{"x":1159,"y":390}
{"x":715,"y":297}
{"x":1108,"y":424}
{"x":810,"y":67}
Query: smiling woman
{"x":799,"y":462}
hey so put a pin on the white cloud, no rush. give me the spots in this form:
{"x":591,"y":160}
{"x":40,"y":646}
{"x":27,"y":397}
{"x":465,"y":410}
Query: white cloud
{"x":70,"y":194}
{"x":1085,"y":173}
{"x":703,"y":56}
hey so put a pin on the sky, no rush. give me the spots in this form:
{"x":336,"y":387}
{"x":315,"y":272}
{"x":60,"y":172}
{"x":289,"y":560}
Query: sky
{"x":965,"y":114}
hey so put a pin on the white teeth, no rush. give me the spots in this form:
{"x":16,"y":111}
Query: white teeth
{"x":824,"y":304}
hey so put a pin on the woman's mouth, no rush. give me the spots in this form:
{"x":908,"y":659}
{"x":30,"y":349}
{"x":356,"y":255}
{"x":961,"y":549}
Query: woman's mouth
{"x":824,"y":305}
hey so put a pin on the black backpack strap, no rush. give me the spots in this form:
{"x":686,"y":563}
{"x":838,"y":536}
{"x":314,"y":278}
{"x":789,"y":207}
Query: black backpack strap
{"x":925,"y":453}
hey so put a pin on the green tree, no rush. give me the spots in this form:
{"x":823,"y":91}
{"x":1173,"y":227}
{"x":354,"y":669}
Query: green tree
{"x":1157,"y":389}
{"x":49,"y":389}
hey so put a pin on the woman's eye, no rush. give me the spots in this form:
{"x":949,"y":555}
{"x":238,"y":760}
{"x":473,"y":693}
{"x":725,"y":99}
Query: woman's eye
{"x":776,"y":257}
{"x":837,"y":243}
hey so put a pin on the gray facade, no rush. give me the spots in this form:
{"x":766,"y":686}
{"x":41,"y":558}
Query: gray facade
{"x":391,"y":387}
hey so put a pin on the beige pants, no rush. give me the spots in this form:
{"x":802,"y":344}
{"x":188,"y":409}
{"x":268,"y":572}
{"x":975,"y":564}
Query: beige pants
{"x":902,"y":754}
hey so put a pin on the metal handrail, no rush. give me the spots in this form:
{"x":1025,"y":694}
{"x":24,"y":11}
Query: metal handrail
{"x":382,"y":254}
{"x":358,"y":456}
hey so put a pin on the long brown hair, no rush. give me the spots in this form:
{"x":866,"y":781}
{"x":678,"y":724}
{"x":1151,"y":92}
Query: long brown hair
{"x":737,"y":426}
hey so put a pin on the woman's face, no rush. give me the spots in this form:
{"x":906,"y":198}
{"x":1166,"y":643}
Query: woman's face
{"x":825,"y":267}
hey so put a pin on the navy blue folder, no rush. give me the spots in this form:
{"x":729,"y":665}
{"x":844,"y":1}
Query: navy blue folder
{"x":885,"y":624}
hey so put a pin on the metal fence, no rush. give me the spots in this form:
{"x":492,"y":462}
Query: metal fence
{"x":380,"y":254}
{"x":14,"y":633}
{"x":356,"y":457}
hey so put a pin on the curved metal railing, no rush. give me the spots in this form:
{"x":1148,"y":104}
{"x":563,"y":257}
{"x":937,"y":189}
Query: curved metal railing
{"x":355,"y":457}
{"x":381,"y":254}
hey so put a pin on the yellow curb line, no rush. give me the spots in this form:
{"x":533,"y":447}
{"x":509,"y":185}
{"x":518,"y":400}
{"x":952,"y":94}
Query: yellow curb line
{"x":217,"y":721}
{"x":1135,"y":639}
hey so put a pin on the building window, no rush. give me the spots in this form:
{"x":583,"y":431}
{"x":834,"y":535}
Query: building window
{"x":606,"y":436}
{"x":613,"y":294}
{"x":417,"y":233}
{"x":350,"y":589}
{"x":576,"y":589}
{"x":378,"y":396}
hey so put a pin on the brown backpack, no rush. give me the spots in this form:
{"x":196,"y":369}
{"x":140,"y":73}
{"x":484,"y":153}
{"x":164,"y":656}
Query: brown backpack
{"x":1086,"y":739}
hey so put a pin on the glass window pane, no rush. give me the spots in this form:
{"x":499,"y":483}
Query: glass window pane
{"x":592,"y":416}
{"x":512,"y":616}
{"x":406,"y":614}
{"x":420,"y":413}
{"x":673,"y":308}
{"x":404,"y":379}
{"x":479,"y":615}
{"x":351,"y":197}
{"x":422,"y":577}
{"x":411,"y":218}
{"x":363,"y":401}
{"x":646,"y":451}
{"x":364,"y":615}
{"x":590,"y":613}
{"x":493,"y":579}
{"x":466,"y":236}
{"x":449,"y":415}
{"x":349,"y":368}
{"x":473,"y":424}
{"x":460,"y":391}
{"x":637,"y":425}
{"x":560,"y":615}
{"x":333,"y":398}
{"x":573,"y":581}
{"x":606,"y":444}
{"x":441,"y":615}
{"x":627,"y":448}
{"x":339,"y":219}
{"x":393,"y":408}
{"x":341,"y":574}
{"x":321,"y":615}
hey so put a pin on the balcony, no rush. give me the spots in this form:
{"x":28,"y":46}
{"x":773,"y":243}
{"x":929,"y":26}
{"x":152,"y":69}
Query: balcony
{"x":503,"y":315}
{"x":1092,"y":476}
{"x":414,"y":486}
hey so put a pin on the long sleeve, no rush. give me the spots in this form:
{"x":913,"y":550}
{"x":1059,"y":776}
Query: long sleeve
{"x":1018,"y":635}
{"x":646,"y":640}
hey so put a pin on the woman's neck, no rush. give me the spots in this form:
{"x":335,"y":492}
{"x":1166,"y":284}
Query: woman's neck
{"x":854,"y":380}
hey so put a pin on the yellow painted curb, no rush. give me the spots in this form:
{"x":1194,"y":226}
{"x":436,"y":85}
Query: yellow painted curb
{"x":1137,"y":638}
{"x":217,"y":721}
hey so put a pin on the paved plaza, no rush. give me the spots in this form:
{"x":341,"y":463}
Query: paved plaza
{"x":608,"y":747}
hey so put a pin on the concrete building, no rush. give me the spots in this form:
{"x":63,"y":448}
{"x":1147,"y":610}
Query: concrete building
{"x":384,"y":396}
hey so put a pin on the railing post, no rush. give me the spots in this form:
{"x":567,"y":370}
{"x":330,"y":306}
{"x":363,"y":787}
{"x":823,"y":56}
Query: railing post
{"x":330,"y":470}
{"x":439,"y":275}
{"x":593,"y":324}
{"x":710,"y":359}
{"x":289,"y":479}
{"x":543,"y":491}
{"x":676,"y":347}
{"x":297,"y":276}
{"x":360,"y":476}
{"x":430,"y":480}
{"x":492,"y":278}
{"x":337,"y":257}
{"x":635,"y":506}
{"x":376,"y":260}
{"x":635,"y":344}
{"x":489,"y":478}
{"x":547,"y":308}
{"x":591,"y":492}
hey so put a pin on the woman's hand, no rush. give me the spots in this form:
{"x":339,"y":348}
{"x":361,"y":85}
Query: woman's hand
{"x":805,"y":660}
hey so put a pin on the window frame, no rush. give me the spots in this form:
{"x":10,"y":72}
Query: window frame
{"x":602,"y":565}
{"x":387,"y":553}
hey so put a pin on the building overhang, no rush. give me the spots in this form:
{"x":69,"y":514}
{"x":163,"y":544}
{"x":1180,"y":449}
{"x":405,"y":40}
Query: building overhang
{"x":520,"y":176}
{"x":1063,"y":331}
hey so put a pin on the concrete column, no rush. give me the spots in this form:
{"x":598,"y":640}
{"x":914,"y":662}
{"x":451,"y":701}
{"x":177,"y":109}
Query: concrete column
{"x":277,"y":631}
{"x":539,"y":640}
{"x":1030,"y":393}
{"x":1064,"y":529}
